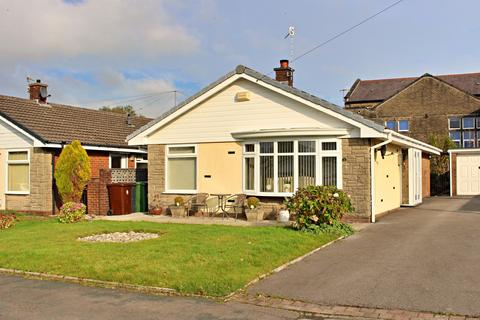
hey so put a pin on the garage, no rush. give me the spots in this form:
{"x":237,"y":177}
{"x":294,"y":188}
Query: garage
{"x":465,"y":172}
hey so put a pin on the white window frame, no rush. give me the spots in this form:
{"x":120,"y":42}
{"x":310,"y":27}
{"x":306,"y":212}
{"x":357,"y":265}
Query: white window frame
{"x":459,"y":121}
{"x":408,"y":125}
{"x":469,"y":128}
{"x":168,"y":155}
{"x":123,"y":161}
{"x":396,"y":125}
{"x":249,"y":155}
{"x":18,"y":162}
{"x":319,"y":154}
{"x":468,"y":140}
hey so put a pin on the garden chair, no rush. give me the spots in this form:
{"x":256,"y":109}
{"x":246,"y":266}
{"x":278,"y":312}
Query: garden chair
{"x":198,"y":203}
{"x":237,"y":203}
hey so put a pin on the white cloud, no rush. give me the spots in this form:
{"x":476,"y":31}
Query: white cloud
{"x":48,"y":30}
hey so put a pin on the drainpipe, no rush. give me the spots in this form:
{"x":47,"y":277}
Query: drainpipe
{"x":372,"y":172}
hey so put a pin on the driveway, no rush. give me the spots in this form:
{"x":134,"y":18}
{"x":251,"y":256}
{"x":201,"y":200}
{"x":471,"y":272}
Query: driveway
{"x":424,"y":259}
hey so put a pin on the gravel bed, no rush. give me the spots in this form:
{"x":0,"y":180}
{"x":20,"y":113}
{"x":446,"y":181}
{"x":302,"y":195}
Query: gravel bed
{"x":121,"y":237}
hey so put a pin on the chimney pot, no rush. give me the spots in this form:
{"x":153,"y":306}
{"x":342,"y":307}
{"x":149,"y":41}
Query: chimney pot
{"x":284,"y":73}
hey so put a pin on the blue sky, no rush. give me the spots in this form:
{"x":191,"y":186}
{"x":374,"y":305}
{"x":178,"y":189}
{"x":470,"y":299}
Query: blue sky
{"x":93,"y":53}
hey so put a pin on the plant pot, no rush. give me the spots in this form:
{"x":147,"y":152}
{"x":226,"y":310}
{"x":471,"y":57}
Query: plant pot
{"x":178,"y":211}
{"x":156,"y":211}
{"x":254,"y":214}
{"x":284,"y":216}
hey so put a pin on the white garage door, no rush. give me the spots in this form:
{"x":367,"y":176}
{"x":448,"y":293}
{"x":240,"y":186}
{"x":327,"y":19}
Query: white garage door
{"x":468,"y":174}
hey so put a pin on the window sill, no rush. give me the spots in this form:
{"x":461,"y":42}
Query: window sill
{"x":269,"y":194}
{"x":180,"y":192}
{"x":24,"y":193}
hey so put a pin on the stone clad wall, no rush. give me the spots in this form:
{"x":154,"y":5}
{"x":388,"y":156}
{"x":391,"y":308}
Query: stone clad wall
{"x":356,"y":176}
{"x":40,"y":198}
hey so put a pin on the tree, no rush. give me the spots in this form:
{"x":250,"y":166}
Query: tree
{"x":72,"y":172}
{"x":127,"y":109}
{"x":440,"y":164}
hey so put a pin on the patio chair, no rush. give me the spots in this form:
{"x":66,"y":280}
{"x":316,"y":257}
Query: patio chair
{"x":198,"y":203}
{"x":237,"y":203}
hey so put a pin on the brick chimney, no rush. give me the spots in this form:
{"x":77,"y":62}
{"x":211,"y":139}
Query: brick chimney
{"x":284,"y":74}
{"x":38,"y":91}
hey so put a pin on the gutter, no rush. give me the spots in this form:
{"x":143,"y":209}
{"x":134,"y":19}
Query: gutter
{"x":372,"y":173}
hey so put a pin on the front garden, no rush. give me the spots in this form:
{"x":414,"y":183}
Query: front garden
{"x":202,"y":259}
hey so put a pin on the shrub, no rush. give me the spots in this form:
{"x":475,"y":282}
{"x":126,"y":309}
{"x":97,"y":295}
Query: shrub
{"x":318,"y":205}
{"x":72,"y":212}
{"x":338,"y":228}
{"x":7,"y":220}
{"x":253,"y":202}
{"x":179,"y":201}
{"x":72,"y":172}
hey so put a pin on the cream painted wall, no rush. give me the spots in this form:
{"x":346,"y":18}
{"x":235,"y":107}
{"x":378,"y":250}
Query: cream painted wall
{"x":216,"y":118}
{"x":3,"y":159}
{"x":224,"y":169}
{"x":388,"y":181}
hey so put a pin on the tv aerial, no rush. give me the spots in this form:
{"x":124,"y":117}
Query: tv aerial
{"x":291,"y":34}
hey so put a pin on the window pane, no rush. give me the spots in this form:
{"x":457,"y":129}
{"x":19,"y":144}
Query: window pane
{"x":391,"y":125}
{"x":249,"y":173}
{"x":478,"y":122}
{"x":468,"y":123}
{"x":306,"y":171}
{"x":285,"y":173}
{"x":403,"y":125}
{"x":469,"y":144}
{"x":455,"y":135}
{"x":454,"y":123}
{"x":468,"y":135}
{"x":266,"y":147}
{"x":329,"y":146}
{"x":285,"y":147}
{"x":329,"y":171}
{"x":18,"y":155}
{"x":18,"y":177}
{"x":306,"y":146}
{"x":250,"y":147}
{"x":116,"y":161}
{"x":180,"y":150}
{"x":266,"y":174}
{"x":182,"y":174}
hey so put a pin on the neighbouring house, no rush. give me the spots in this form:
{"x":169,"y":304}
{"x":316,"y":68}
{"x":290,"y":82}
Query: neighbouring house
{"x":421,"y":106}
{"x":248,"y":133}
{"x":32,"y":134}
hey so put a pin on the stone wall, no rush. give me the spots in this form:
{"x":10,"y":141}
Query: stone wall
{"x":39,"y":200}
{"x":356,"y":176}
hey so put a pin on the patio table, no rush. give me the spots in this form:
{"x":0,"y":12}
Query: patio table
{"x":222,"y":205}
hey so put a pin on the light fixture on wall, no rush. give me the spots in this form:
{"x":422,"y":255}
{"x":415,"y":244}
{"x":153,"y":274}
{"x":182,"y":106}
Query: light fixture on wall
{"x":383,"y":151}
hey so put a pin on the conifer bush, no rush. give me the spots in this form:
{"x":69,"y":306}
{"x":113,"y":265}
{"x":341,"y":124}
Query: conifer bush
{"x":72,"y":173}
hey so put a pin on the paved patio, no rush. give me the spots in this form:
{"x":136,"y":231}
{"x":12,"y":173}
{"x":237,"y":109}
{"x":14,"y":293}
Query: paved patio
{"x":422,"y":259}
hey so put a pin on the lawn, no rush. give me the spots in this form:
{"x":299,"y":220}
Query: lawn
{"x":202,"y":259}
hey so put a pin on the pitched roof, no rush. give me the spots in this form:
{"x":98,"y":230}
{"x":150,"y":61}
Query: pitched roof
{"x":57,"y":123}
{"x":381,"y":89}
{"x":240,"y":69}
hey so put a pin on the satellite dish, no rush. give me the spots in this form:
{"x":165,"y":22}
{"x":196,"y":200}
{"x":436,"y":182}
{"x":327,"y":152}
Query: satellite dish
{"x":43,"y":92}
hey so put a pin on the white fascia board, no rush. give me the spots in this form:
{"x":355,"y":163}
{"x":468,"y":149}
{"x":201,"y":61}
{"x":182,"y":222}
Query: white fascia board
{"x":365,"y":131}
{"x":472,"y":150}
{"x":97,"y":148}
{"x":289,"y":132}
{"x":414,"y":143}
{"x":35,"y":141}
{"x":142,"y":138}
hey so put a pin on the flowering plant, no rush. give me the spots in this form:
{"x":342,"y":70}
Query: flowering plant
{"x":7,"y":220}
{"x":72,"y":212}
{"x":318,"y":205}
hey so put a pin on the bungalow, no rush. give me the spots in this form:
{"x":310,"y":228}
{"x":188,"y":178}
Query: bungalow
{"x":32,"y":134}
{"x":247,"y":133}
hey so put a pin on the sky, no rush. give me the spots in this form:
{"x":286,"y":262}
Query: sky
{"x":108,"y":52}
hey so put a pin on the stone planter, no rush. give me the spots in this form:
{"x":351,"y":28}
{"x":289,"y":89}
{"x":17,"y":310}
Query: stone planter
{"x":178,"y":211}
{"x":284,"y":216}
{"x":254,"y":214}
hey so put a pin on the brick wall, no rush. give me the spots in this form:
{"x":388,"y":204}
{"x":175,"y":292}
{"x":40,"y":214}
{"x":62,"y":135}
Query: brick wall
{"x":40,"y":198}
{"x":356,"y":176}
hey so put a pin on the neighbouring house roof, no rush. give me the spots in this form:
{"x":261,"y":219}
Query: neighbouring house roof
{"x":242,"y":71}
{"x":381,"y":89}
{"x":56,"y":123}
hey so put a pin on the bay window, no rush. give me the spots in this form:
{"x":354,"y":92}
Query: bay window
{"x":280,"y":167}
{"x":18,"y":171}
{"x":181,"y":169}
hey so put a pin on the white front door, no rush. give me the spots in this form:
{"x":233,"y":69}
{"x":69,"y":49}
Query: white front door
{"x":468,"y":174}
{"x":415,"y":176}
